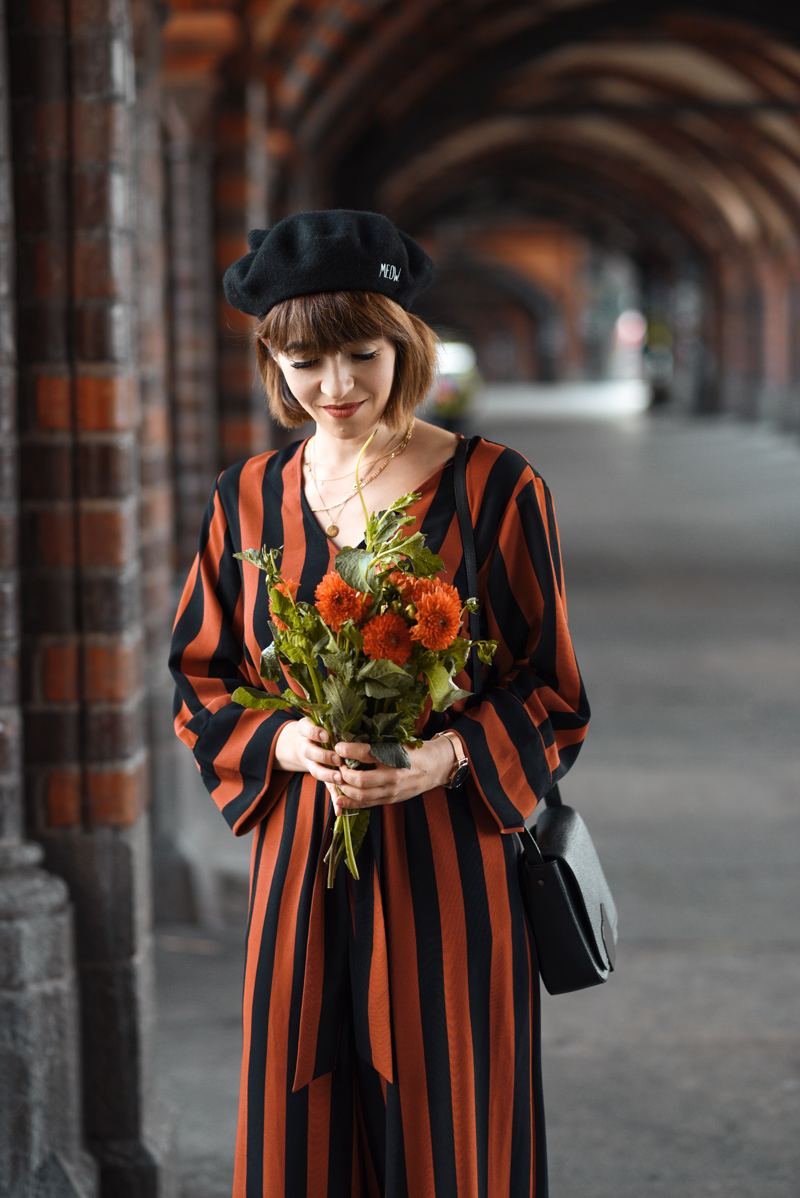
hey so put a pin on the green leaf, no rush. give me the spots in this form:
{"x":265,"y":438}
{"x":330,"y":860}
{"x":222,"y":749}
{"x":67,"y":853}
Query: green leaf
{"x":486,"y":650}
{"x":383,"y":679}
{"x":385,"y":722}
{"x":256,"y":700}
{"x":443,"y":689}
{"x":352,"y":635}
{"x":270,"y":665}
{"x":281,"y":606}
{"x":341,"y":663}
{"x":355,"y":567}
{"x":457,"y":655}
{"x":265,"y":559}
{"x":389,"y":752}
{"x":358,"y":828}
{"x":302,"y":675}
{"x":346,"y":707}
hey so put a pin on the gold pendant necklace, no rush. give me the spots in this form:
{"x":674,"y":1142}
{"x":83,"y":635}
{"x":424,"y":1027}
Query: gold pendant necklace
{"x":332,"y":529}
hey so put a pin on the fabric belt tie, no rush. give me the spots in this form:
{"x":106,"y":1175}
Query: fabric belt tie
{"x":346,"y":961}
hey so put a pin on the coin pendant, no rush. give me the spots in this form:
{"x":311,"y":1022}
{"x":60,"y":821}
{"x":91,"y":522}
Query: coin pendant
{"x":332,"y":530}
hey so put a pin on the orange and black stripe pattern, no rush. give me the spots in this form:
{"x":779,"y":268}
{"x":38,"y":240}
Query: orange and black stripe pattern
{"x":391,"y":1026}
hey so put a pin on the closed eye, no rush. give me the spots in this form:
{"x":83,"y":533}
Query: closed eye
{"x":366,"y":357}
{"x":304,"y":365}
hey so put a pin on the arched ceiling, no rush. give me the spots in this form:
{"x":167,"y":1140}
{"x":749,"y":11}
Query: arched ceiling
{"x":666,"y":130}
{"x":652,"y":126}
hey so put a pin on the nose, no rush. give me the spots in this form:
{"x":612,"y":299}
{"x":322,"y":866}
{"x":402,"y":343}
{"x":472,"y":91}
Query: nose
{"x":337,"y":377}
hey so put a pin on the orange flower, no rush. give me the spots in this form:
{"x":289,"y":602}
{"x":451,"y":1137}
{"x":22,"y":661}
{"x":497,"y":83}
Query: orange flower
{"x":287,"y":587}
{"x":405,"y":584}
{"x":438,"y":617}
{"x":337,"y":602}
{"x":386,"y":636}
{"x":424,"y":586}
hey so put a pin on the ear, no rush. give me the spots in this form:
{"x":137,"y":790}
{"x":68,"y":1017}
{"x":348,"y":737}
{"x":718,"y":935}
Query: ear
{"x":267,"y":346}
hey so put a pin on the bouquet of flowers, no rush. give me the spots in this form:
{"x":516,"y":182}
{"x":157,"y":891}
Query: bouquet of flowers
{"x":382,"y":638}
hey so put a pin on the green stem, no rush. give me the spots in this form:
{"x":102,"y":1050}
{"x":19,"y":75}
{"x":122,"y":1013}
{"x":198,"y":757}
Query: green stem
{"x":348,"y":846}
{"x":358,"y":483}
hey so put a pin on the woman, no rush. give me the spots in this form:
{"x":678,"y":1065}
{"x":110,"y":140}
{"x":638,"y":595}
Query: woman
{"x":391,"y":1024}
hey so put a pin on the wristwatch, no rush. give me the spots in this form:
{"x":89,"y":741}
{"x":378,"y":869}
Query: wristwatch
{"x":461,"y":766}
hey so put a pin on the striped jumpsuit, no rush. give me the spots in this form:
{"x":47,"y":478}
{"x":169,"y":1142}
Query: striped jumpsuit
{"x":391,"y":1025}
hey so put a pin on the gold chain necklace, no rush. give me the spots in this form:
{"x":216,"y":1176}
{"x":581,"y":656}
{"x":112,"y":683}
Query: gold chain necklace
{"x":332,"y":528}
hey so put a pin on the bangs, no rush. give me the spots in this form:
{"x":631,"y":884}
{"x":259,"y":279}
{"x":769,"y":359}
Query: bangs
{"x":326,"y":323}
{"x":323,"y":323}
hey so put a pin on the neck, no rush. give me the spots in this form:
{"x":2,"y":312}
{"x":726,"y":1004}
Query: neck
{"x":339,"y":454}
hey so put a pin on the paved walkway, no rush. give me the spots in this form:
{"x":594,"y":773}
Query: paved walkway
{"x":681,"y":1077}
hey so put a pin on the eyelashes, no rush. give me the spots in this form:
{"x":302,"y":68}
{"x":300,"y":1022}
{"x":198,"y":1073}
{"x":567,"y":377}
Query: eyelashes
{"x":356,"y":357}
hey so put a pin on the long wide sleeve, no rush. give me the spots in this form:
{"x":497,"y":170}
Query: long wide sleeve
{"x":234,"y":748}
{"x":528,"y":726}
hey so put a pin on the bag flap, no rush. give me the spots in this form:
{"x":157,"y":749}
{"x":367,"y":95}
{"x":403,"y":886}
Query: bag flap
{"x":561,"y":834}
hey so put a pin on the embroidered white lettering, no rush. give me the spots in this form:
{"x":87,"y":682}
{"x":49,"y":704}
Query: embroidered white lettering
{"x":387,"y":271}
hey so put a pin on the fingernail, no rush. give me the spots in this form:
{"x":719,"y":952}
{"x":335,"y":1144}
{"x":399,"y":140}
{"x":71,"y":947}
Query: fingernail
{"x":323,"y":735}
{"x":336,"y":760}
{"x":337,"y":777}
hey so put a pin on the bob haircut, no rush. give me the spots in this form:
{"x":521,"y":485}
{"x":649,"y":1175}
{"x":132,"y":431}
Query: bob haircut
{"x":323,"y":324}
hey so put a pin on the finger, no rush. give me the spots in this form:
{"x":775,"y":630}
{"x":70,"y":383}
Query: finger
{"x":355,"y":749}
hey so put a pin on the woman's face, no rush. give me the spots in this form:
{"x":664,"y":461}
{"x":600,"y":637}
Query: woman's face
{"x":345,"y":391}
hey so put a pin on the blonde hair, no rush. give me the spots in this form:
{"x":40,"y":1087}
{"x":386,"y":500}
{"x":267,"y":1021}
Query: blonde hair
{"x":323,"y":324}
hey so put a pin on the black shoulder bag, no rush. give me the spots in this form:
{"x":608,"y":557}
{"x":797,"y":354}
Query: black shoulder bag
{"x":564,"y":891}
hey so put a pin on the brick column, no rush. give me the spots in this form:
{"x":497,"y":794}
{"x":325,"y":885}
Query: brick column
{"x":195,"y":428}
{"x":41,"y":1148}
{"x":85,"y":757}
{"x":240,"y":204}
{"x":172,"y":889}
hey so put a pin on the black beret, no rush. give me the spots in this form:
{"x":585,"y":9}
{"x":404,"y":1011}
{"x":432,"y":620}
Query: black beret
{"x":333,"y":250}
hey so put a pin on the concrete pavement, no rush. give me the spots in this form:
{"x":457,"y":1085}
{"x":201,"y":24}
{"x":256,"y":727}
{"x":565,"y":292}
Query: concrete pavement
{"x":681,"y":1077}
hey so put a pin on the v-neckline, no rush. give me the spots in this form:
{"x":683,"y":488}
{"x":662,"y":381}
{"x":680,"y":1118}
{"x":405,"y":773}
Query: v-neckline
{"x":306,"y":506}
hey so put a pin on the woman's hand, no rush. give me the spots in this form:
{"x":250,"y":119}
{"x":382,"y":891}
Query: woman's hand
{"x":303,"y":747}
{"x":431,"y":765}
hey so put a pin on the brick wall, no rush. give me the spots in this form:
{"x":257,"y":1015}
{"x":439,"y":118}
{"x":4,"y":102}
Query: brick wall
{"x":240,"y":204}
{"x":11,"y":805}
{"x":86,"y":761}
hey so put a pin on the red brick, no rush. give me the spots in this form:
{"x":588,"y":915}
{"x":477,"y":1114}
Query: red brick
{"x":55,"y":537}
{"x":231,"y":192}
{"x":102,"y":269}
{"x":8,"y":540}
{"x":155,"y":425}
{"x":9,"y":690}
{"x":106,"y":467}
{"x":63,"y":797}
{"x":106,"y":403}
{"x":108,"y":535}
{"x":53,"y":402}
{"x":50,"y":132}
{"x":232,"y":127}
{"x":60,"y":673}
{"x":46,"y":468}
{"x":156,"y":507}
{"x":112,"y":672}
{"x":116,"y":796}
{"x":100,"y":132}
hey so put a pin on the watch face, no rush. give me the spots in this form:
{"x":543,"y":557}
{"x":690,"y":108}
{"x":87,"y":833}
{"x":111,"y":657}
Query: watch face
{"x":459,"y":777}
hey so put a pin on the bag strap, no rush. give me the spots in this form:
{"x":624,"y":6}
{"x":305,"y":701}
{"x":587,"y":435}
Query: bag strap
{"x":468,"y":545}
{"x":553,"y":797}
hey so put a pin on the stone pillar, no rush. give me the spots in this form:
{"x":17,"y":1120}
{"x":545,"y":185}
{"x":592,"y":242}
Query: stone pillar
{"x":240,"y":204}
{"x":85,"y":757}
{"x":41,"y":1149}
{"x":195,"y":426}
